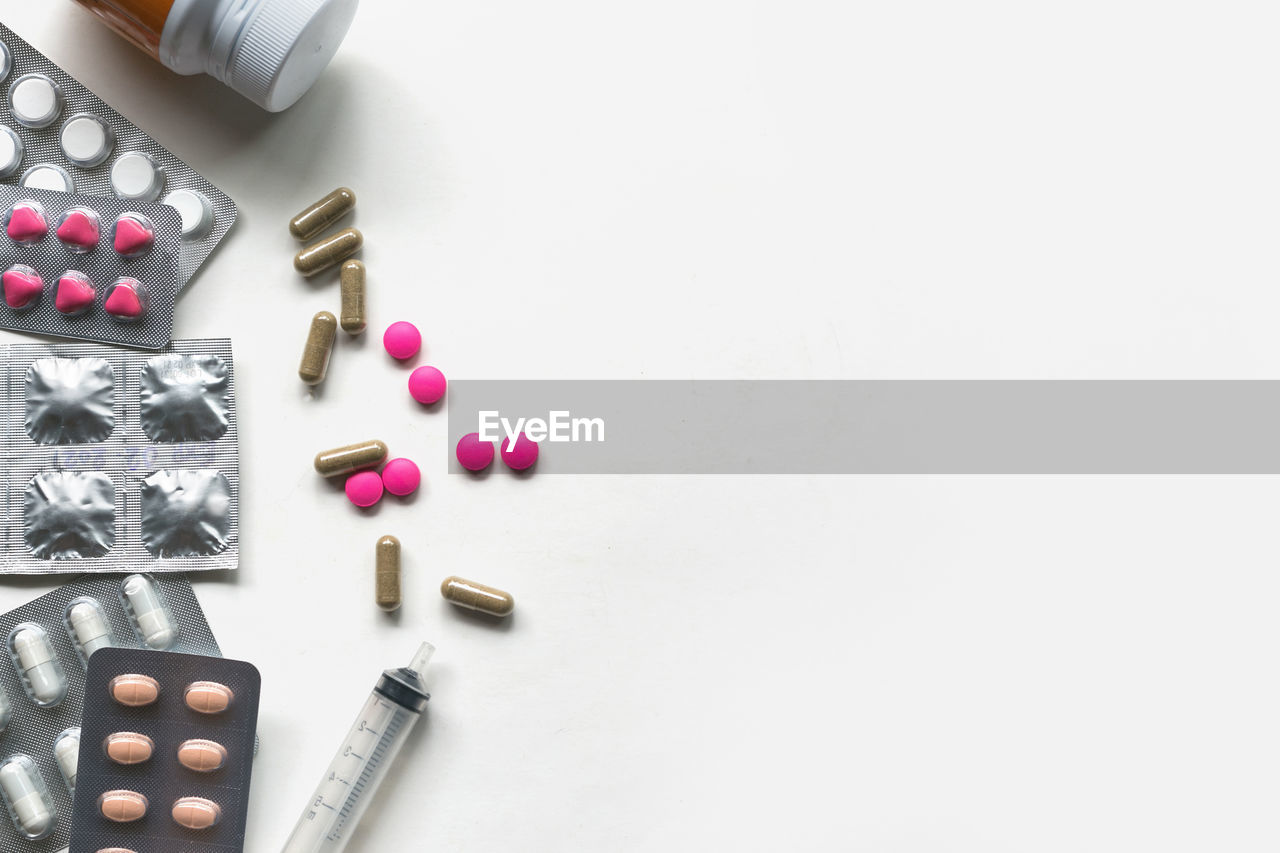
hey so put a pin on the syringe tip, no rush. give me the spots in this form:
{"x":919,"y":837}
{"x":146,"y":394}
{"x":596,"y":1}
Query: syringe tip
{"x":421,"y":658}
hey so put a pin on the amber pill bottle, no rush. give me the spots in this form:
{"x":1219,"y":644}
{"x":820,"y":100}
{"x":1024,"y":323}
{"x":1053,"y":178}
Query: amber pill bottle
{"x":270,"y":51}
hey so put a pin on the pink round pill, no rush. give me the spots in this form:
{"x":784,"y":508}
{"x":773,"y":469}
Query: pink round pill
{"x":520,"y":454}
{"x":402,"y":340}
{"x":427,"y":384}
{"x":474,"y":454}
{"x":364,"y":488}
{"x":401,"y":477}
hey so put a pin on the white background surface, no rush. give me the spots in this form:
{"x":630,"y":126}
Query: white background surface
{"x":705,"y":188}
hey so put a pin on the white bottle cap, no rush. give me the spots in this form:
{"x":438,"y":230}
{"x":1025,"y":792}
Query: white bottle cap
{"x":283,"y":47}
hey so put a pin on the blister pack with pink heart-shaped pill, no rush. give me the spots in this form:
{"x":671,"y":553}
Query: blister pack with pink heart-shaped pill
{"x":95,"y":269}
{"x":56,"y":134}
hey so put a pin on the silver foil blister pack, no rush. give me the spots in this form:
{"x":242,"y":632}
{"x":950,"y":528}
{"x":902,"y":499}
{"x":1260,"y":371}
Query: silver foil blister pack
{"x":56,"y":134}
{"x":48,"y":642}
{"x":119,"y":461}
{"x":96,"y":269}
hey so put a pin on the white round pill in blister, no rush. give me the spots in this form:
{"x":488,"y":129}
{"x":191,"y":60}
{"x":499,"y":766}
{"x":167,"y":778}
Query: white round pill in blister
{"x":136,"y":176}
{"x":6,"y":60}
{"x":196,"y":211}
{"x":10,"y":151}
{"x":86,"y":140}
{"x":35,"y":100}
{"x":46,"y":176}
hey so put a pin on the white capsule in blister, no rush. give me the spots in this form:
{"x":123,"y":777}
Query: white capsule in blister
{"x":26,"y":796}
{"x":88,"y":627}
{"x":66,"y":750}
{"x":147,"y":609}
{"x":37,"y":664}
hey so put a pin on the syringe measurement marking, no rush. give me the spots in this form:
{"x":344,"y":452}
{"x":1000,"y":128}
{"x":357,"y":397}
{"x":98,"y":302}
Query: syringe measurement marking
{"x":393,"y":727}
{"x":346,"y":766}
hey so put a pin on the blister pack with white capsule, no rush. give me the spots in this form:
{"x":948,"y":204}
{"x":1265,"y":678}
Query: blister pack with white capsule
{"x":119,"y":461}
{"x":95,"y":269}
{"x":55,"y":134}
{"x":49,"y":643}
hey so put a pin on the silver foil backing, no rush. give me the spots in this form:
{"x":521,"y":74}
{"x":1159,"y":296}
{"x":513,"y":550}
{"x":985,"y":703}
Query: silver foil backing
{"x":118,"y":461}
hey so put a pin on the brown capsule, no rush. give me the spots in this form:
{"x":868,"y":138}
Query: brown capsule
{"x":352,"y":457}
{"x":319,"y":215}
{"x":196,"y":813}
{"x":202,"y":756}
{"x":123,"y":806}
{"x":477,"y":596}
{"x":207,"y":697}
{"x":387,"y":574}
{"x":329,"y":252}
{"x":319,"y":346}
{"x":352,"y":277}
{"x":128,"y":747}
{"x":134,"y":690}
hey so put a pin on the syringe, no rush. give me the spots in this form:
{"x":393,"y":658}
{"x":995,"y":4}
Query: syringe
{"x":396,"y":703}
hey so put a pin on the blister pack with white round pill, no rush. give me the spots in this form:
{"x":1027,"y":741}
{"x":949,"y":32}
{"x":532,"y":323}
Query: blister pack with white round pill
{"x":50,"y":642}
{"x":55,"y":134}
{"x":119,"y":461}
{"x":87,"y":267}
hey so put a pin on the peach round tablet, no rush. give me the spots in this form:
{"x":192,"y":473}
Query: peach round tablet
{"x":364,"y":489}
{"x":474,"y":454}
{"x":520,"y":454}
{"x":401,"y":477}
{"x":126,"y":300}
{"x":22,"y":286}
{"x":123,"y":806}
{"x":202,"y":756}
{"x":134,"y":690}
{"x":25,"y":223}
{"x":427,"y":385}
{"x":133,"y":235}
{"x":196,"y":813}
{"x":128,"y":747}
{"x":75,"y":293}
{"x":79,"y":229}
{"x":208,"y":697}
{"x":402,"y":340}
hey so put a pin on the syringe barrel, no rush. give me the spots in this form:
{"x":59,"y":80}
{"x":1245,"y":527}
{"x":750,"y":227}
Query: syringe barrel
{"x":356,"y":772}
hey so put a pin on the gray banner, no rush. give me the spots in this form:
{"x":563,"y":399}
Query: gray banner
{"x":883,"y":427}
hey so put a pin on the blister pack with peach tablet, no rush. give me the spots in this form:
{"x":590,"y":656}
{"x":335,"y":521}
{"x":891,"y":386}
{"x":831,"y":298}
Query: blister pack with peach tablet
{"x":166,"y":753}
{"x":55,"y":134}
{"x":93,"y":269}
{"x":50,"y":643}
{"x":118,"y":460}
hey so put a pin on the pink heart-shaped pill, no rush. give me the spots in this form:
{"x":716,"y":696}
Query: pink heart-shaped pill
{"x":74,"y":294}
{"x":123,"y":301}
{"x":21,"y":288}
{"x":132,"y":237}
{"x":26,"y":224}
{"x":78,"y":230}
